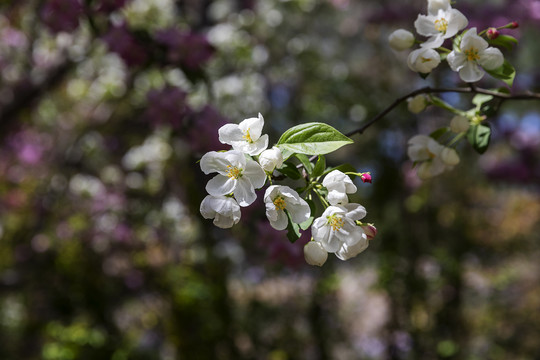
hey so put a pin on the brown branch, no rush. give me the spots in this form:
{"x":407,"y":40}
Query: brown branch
{"x":429,"y":90}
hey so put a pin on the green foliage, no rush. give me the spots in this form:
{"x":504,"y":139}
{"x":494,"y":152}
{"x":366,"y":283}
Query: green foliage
{"x":505,"y":41}
{"x":479,"y":136}
{"x":505,"y":72}
{"x":312,"y":139}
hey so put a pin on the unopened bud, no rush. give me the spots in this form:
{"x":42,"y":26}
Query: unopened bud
{"x":514,"y":25}
{"x":271,"y":159}
{"x":401,"y":39}
{"x":366,"y":177}
{"x":315,"y":254}
{"x":370,"y":231}
{"x":449,"y":156}
{"x":459,"y":124}
{"x":417,"y":104}
{"x":492,"y":33}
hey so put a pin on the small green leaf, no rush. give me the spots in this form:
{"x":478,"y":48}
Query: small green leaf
{"x":479,"y":136}
{"x":290,"y":170}
{"x":438,"y":133}
{"x":304,"y":159}
{"x":480,"y":99}
{"x":293,"y":230}
{"x":319,"y":166}
{"x":505,"y":72}
{"x":457,"y":42}
{"x":505,"y":41}
{"x":306,"y":224}
{"x":312,"y":139}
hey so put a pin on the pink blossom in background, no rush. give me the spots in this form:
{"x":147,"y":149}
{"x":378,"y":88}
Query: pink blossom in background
{"x":278,"y":248}
{"x":167,"y":106}
{"x":122,"y":42}
{"x":203,"y":132}
{"x":190,"y":49}
{"x":61,"y":15}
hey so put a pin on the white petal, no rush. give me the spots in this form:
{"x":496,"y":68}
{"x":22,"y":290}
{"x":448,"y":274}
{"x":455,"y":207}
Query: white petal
{"x":355,"y":211}
{"x":425,"y":25}
{"x":471,"y":40}
{"x":224,"y":210}
{"x":471,"y":72}
{"x":346,"y":252}
{"x":254,"y":125}
{"x":229,"y":133}
{"x":255,"y":173}
{"x":456,"y":60}
{"x":299,"y":212}
{"x":433,"y":42}
{"x":491,"y":58}
{"x":336,"y":197}
{"x":435,"y":5}
{"x":271,"y":192}
{"x":221,"y":185}
{"x":456,"y":22}
{"x":281,"y":222}
{"x":244,"y":192}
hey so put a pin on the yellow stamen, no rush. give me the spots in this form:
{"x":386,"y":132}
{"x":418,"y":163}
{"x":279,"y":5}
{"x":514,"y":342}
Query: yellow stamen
{"x":247,"y":137}
{"x":472,"y":54}
{"x":335,"y":222}
{"x":441,"y":25}
{"x":279,"y":202}
{"x":233,"y":172}
{"x":425,"y":60}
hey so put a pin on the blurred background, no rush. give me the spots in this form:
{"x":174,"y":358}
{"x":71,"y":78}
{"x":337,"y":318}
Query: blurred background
{"x":107,"y":105}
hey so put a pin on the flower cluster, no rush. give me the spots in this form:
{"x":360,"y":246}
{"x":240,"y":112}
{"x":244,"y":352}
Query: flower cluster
{"x":249,"y":164}
{"x":471,"y":54}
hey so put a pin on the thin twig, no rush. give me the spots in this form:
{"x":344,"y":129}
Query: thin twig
{"x":429,"y":90}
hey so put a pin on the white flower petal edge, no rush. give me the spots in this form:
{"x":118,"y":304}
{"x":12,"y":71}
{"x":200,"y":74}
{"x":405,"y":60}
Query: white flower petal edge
{"x":337,"y":226}
{"x":237,"y":174}
{"x":347,"y":252}
{"x":433,"y":157}
{"x":224,"y":210}
{"x":246,"y":136}
{"x":474,"y":53}
{"x":338,"y":185}
{"x":423,"y":60}
{"x":279,"y":198}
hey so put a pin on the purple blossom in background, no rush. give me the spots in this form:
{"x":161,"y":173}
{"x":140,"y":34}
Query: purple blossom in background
{"x":107,"y":6}
{"x":190,"y":49}
{"x":122,"y":42}
{"x":167,"y":106}
{"x":13,"y":38}
{"x":203,"y":133}
{"x":29,"y":147}
{"x":278,"y":248}
{"x":61,"y":15}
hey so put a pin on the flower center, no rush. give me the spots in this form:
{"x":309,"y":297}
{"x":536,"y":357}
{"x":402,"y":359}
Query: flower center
{"x":279,"y":202}
{"x":335,"y":221}
{"x":425,"y":60}
{"x":472,"y":54}
{"x":233,"y":172}
{"x":441,"y":25}
{"x":247,"y":137}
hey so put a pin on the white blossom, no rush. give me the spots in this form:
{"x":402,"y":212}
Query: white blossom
{"x":246,"y":136}
{"x":440,"y":25}
{"x":337,"y":226}
{"x":237,"y":174}
{"x":349,"y":251}
{"x":459,"y":124}
{"x":417,"y":104}
{"x":401,"y":39}
{"x":271,"y":159}
{"x":277,"y":199}
{"x":224,"y":210}
{"x":315,"y":254}
{"x":433,"y":158}
{"x":423,"y":60}
{"x":435,"y":5}
{"x":474,"y":56}
{"x":338,"y":185}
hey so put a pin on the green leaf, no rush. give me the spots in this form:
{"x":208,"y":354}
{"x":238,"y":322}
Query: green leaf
{"x":290,"y":170}
{"x":480,"y":99}
{"x":505,"y":41}
{"x":438,"y":133}
{"x":457,"y":42}
{"x":505,"y":72}
{"x":479,"y":136}
{"x":293,"y":230}
{"x":312,"y":139}
{"x":319,"y":166}
{"x":304,"y":159}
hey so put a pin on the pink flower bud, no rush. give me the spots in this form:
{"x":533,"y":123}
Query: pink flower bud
{"x":370,"y":231}
{"x":514,"y":25}
{"x":366,"y":177}
{"x":492,"y":33}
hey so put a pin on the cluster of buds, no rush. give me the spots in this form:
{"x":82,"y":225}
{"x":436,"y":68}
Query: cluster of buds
{"x":250,"y":165}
